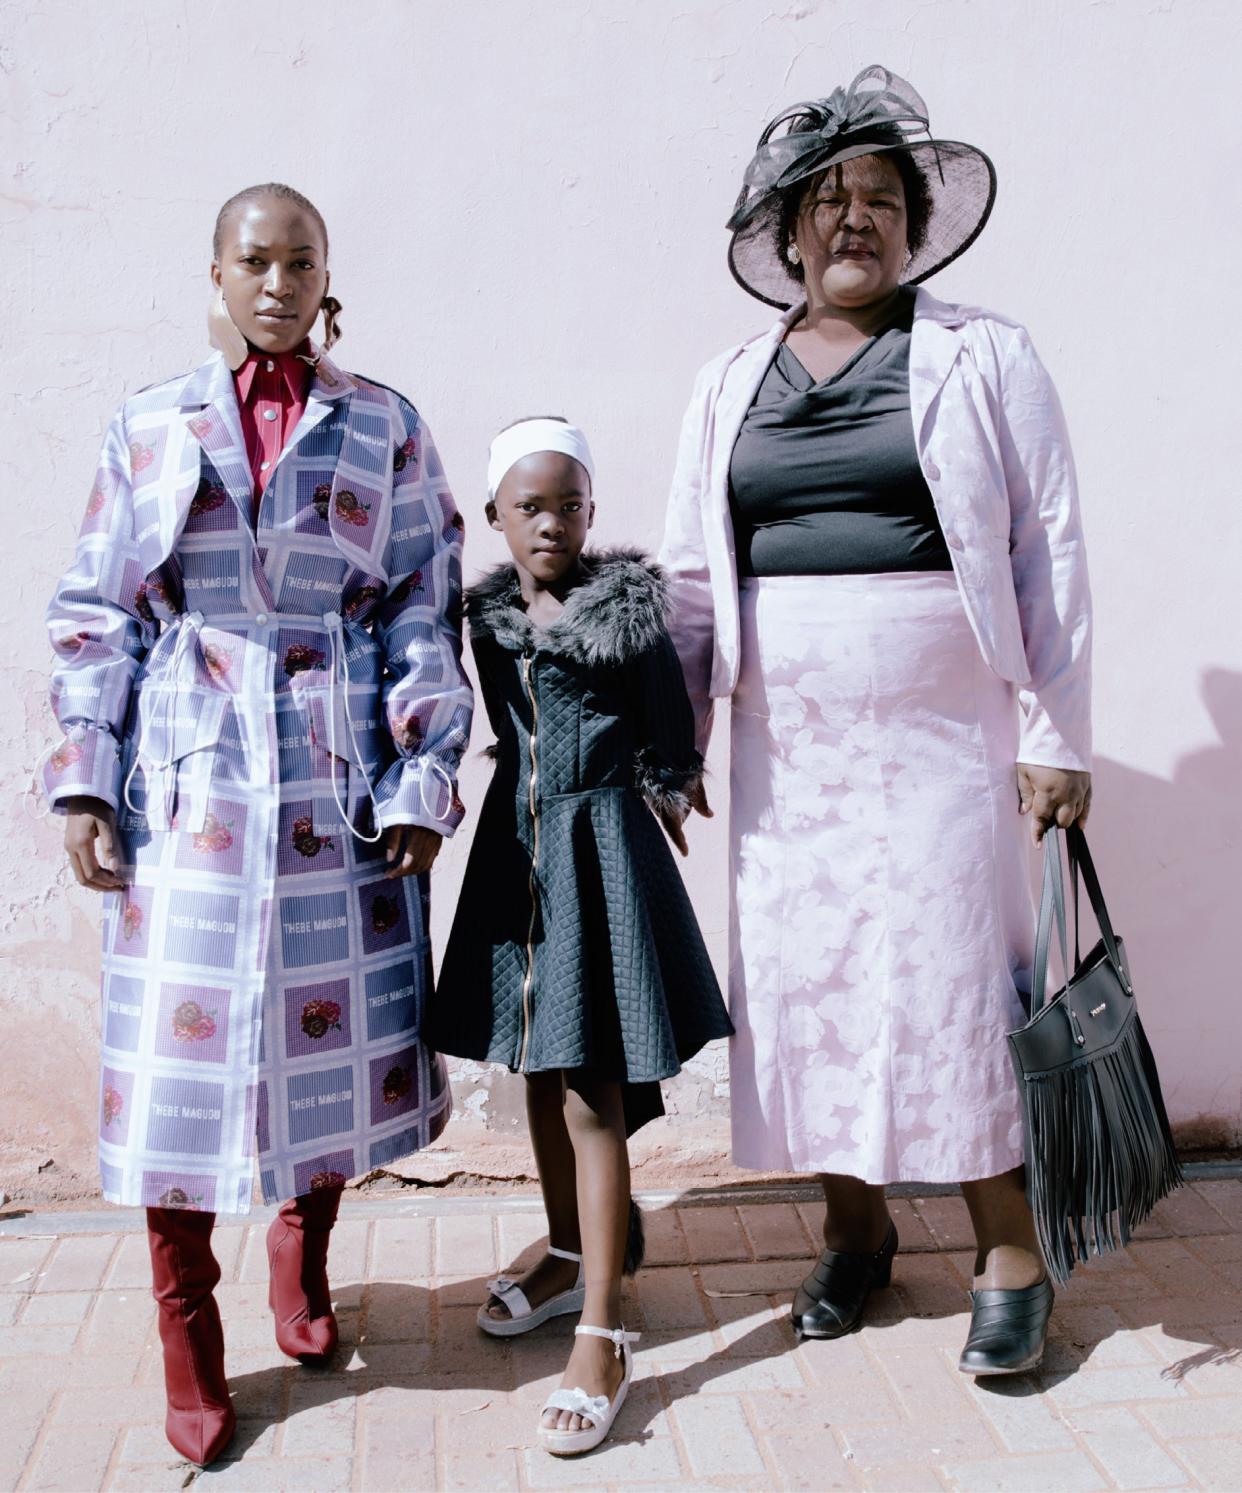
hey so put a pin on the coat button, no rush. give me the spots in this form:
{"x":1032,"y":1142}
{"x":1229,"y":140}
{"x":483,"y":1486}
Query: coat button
{"x":261,"y":618}
{"x":269,"y":414}
{"x":932,"y":472}
{"x":954,"y":541}
{"x":270,"y":366}
{"x":263,"y":465}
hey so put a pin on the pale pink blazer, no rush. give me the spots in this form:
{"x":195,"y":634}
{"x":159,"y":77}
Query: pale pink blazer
{"x":993,"y":447}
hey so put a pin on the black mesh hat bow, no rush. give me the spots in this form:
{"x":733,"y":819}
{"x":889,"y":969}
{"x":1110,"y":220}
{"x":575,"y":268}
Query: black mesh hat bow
{"x":879,"y":112}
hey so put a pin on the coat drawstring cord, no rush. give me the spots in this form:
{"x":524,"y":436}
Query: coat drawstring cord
{"x":338,"y":674}
{"x":187,"y":636}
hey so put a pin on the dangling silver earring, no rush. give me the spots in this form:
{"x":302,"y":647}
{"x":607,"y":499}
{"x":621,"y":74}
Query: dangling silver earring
{"x":793,"y":254}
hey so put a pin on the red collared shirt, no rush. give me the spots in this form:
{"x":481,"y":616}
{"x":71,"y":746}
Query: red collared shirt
{"x":271,"y":395}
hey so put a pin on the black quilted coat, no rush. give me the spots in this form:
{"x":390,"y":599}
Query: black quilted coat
{"x":574,"y":944}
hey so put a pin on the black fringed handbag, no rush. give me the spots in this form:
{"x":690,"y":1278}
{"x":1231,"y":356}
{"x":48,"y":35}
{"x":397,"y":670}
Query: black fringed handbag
{"x":1099,"y":1152}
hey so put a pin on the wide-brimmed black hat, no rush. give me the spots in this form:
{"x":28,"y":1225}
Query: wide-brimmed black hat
{"x":879,"y":112}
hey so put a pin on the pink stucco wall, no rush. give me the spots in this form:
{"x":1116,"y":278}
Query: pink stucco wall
{"x":526,"y":203}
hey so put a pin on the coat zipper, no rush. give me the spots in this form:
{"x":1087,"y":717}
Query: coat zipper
{"x":529,"y":981}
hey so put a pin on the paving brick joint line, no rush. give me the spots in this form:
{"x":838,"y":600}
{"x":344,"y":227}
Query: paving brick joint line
{"x":1141,"y":1386}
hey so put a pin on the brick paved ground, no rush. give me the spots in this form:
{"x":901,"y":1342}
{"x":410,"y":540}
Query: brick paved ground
{"x":1141,"y":1386}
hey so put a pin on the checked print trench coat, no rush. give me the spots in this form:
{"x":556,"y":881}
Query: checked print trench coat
{"x":249,"y":697}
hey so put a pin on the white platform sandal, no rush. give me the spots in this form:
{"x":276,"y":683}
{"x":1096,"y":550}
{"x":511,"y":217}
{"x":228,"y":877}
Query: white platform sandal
{"x":522,"y":1316}
{"x":598,"y":1409}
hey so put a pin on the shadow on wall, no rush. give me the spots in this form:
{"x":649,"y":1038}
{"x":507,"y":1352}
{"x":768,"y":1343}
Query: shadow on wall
{"x":1169,"y":853}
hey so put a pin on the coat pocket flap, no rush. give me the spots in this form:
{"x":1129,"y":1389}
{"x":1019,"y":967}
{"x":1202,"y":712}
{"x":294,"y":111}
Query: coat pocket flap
{"x":173,"y":721}
{"x":353,"y":736}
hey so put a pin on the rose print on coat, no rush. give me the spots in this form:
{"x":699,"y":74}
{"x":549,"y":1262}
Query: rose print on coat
{"x":351,"y":510}
{"x":140,"y":457}
{"x":320,"y":1017}
{"x":404,"y":454}
{"x":209,"y":497}
{"x":96,"y":501}
{"x":131,"y":922}
{"x":113,"y":1104}
{"x":215,"y":837}
{"x":316,"y":1018}
{"x":360,"y":600}
{"x":328,"y":1169}
{"x":300,"y":658}
{"x":166,"y":1188}
{"x":65,"y":756}
{"x":396,"y":1084}
{"x":385,"y":922}
{"x":193,"y":1023}
{"x":177,"y":1197}
{"x":385,"y":914}
{"x":321,"y":499}
{"x":190,"y":1023}
{"x":408,"y":732}
{"x":219,"y":661}
{"x":306,"y":842}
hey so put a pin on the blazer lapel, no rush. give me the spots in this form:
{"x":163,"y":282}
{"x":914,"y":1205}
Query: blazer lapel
{"x":935,"y":345}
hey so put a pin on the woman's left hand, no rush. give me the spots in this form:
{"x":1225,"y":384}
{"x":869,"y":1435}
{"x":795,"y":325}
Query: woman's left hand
{"x":1053,"y":795}
{"x":409,"y":850}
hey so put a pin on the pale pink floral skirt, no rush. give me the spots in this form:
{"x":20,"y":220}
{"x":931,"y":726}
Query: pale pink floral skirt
{"x":882,"y":919}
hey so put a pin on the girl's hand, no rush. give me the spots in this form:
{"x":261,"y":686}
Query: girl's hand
{"x":410,"y":850}
{"x":90,"y":844}
{"x":697,"y":794}
{"x":1053,"y":795}
{"x":672,"y":820}
{"x":696,"y":799}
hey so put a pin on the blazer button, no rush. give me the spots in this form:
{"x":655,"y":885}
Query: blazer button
{"x":932,"y":472}
{"x":261,"y":617}
{"x":954,"y":541}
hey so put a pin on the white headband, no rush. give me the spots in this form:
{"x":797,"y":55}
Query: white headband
{"x":529,"y":436}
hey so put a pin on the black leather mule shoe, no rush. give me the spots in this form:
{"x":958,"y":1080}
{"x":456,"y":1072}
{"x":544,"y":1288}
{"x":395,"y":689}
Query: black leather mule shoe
{"x":1008,"y":1329}
{"x":831,"y":1299}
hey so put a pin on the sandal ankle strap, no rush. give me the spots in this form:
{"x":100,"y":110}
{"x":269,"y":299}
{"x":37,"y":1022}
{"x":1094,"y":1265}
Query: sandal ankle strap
{"x":617,"y":1336}
{"x":564,"y":1254}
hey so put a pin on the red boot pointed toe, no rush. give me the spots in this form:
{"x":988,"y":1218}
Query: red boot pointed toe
{"x":200,"y":1420}
{"x":299,"y":1294}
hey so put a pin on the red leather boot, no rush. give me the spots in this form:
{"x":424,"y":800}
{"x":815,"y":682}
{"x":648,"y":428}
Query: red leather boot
{"x":200,"y":1419}
{"x":297,"y":1257}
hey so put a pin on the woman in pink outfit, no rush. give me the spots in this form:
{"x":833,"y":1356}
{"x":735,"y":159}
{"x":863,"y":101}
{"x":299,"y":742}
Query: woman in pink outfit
{"x":874,"y":543}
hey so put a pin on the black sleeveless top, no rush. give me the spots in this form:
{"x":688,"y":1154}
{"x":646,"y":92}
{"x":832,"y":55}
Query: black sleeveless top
{"x":825,"y":477}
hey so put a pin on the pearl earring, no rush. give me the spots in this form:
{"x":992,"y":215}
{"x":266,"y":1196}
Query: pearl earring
{"x":794,"y":254}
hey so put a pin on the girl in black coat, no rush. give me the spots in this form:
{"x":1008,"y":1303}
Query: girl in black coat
{"x":575,"y":957}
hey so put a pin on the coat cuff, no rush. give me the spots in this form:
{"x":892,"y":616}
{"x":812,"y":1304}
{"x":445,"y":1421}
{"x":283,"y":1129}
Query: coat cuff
{"x":419,"y":790}
{"x":667,"y":788}
{"x":86,"y":764}
{"x":1041,"y":744}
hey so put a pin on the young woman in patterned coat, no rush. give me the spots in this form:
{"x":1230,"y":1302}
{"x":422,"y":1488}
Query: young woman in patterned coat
{"x":259,"y":680}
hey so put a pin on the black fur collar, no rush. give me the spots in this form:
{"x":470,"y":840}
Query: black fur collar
{"x":618,"y":612}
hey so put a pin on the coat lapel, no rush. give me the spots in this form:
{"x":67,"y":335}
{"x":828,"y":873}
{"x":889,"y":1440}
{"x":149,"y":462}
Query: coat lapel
{"x":360,"y":507}
{"x":216,"y":426}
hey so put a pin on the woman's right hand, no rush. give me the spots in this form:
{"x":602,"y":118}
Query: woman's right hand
{"x":90,"y":843}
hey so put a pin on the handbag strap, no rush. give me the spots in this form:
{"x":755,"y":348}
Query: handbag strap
{"x":1080,"y":859}
{"x":1051,"y":906}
